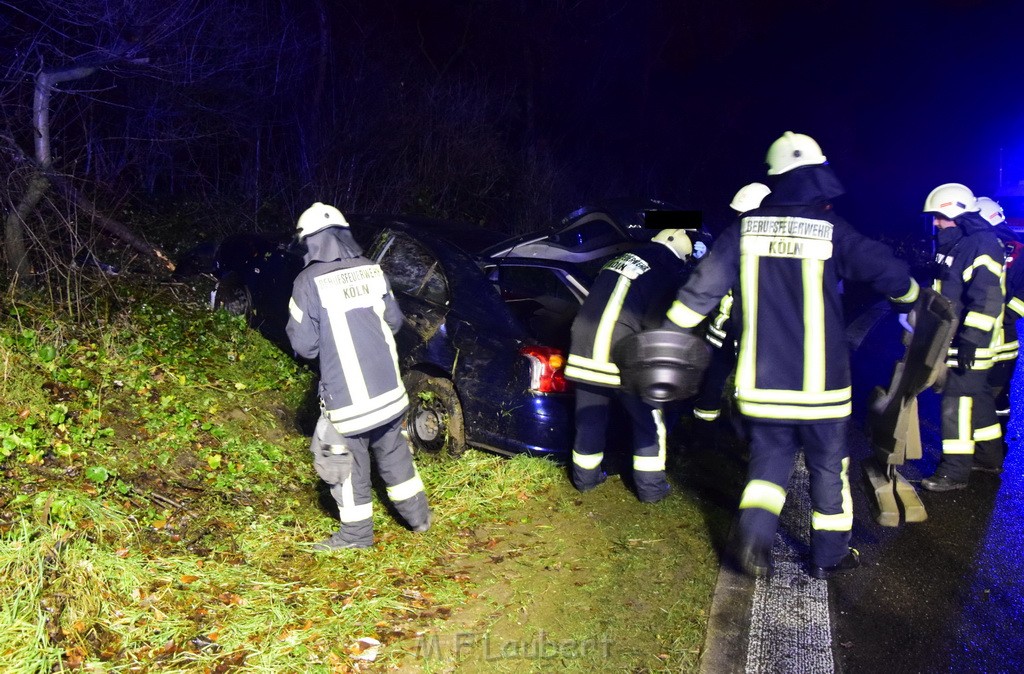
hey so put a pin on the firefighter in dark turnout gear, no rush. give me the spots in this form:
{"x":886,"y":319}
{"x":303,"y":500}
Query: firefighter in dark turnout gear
{"x":970,"y":261}
{"x":631,"y":291}
{"x":1007,"y":353}
{"x":343,"y":312}
{"x":1005,"y":359}
{"x":793,"y":382}
{"x":721,"y":328}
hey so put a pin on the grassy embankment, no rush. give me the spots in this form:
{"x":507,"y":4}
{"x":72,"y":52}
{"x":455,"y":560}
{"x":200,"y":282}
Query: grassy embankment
{"x":157,"y":506}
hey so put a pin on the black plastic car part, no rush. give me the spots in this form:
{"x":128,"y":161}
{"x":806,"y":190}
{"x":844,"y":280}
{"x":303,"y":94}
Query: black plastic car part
{"x":662,"y":365}
{"x":233,"y":296}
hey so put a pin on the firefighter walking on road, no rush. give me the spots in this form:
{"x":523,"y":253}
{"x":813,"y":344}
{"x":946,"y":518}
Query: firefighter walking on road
{"x":343,"y":312}
{"x":970,"y":261}
{"x":793,"y":383}
{"x":630,"y":293}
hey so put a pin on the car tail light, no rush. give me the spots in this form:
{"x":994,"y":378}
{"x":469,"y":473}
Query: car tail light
{"x":547,"y":369}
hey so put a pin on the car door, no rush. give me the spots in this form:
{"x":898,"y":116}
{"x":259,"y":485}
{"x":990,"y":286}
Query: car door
{"x":420,"y":287}
{"x":456,"y":326}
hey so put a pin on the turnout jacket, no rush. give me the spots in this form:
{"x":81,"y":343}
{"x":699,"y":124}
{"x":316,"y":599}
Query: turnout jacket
{"x":342,"y":311}
{"x":1014,"y":310}
{"x":786,"y":259}
{"x":970,"y":261}
{"x":630,"y":293}
{"x":721,"y":327}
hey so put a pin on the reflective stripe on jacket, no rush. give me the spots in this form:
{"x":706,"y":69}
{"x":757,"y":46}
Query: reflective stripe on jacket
{"x":718,"y":327}
{"x":1013,"y":311}
{"x":343,"y":312}
{"x":630,"y":292}
{"x":971,"y":260}
{"x":787,"y":260}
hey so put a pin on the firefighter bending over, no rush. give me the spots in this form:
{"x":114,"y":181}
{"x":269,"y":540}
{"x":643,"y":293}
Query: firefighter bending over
{"x":630,"y":293}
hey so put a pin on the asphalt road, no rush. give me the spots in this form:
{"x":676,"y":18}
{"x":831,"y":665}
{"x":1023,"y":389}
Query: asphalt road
{"x":943,"y":595}
{"x":947,"y":594}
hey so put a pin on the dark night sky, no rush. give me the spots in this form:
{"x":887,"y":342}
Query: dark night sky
{"x":685,"y":96}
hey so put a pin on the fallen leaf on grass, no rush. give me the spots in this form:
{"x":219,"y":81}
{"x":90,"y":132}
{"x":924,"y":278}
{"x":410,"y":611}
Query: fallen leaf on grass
{"x":189,"y":579}
{"x":75,"y":657}
{"x":364,"y":649}
{"x":230,"y":599}
{"x":203,"y":642}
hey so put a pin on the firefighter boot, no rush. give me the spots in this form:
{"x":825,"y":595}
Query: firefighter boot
{"x":336,"y":542}
{"x":951,"y":474}
{"x":940,"y":482}
{"x":848,"y":563}
{"x":989,"y":456}
{"x":423,"y":528}
{"x":749,"y":556}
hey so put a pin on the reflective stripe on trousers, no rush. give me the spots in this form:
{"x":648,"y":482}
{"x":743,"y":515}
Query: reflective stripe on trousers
{"x":970,"y":426}
{"x":397,"y":470}
{"x":593,"y":409}
{"x":773,"y":451}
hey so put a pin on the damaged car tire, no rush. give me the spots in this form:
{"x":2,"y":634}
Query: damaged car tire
{"x":434,"y":420}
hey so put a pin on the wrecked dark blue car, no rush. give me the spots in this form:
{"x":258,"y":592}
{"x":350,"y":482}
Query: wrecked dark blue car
{"x":483,"y":342}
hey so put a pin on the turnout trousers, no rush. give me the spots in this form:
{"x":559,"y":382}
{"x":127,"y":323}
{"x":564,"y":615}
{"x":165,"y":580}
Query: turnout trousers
{"x":593,"y":406}
{"x":351,"y":487}
{"x":773,"y":452}
{"x":999,"y":379}
{"x":970,"y":428}
{"x":707,"y":406}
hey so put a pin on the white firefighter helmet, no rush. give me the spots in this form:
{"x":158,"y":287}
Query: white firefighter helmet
{"x":991,"y":211}
{"x":319,"y":216}
{"x":791,"y":151}
{"x":749,"y":197}
{"x":951,"y":200}
{"x":677,"y":240}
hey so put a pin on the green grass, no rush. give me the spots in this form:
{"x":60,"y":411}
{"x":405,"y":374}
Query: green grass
{"x":158,"y":505}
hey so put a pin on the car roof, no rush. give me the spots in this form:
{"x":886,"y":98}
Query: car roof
{"x":589,"y":232}
{"x":467,"y":237}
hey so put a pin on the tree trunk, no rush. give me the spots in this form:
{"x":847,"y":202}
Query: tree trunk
{"x":14,"y":227}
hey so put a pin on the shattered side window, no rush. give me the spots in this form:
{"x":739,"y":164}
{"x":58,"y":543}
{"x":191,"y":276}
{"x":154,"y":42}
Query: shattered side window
{"x":520,"y":282}
{"x":413,"y":270}
{"x":590,"y":232}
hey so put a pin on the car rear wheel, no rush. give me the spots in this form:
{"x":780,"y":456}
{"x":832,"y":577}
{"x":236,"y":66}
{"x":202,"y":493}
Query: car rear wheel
{"x":233,"y":296}
{"x":434,"y":420}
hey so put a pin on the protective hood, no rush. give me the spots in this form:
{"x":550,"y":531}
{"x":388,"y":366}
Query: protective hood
{"x":946,"y":238}
{"x":804,"y":186}
{"x":328,"y":245}
{"x":1004,"y":233}
{"x":972,"y":223}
